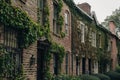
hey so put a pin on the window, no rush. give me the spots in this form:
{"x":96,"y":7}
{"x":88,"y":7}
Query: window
{"x":55,"y":64}
{"x":40,"y":11}
{"x":77,"y":66}
{"x":10,"y":38}
{"x":56,"y":27}
{"x":94,"y":39}
{"x":66,"y":22}
{"x":24,"y":1}
{"x":66,"y":61}
{"x":109,"y":45}
{"x":72,"y":62}
{"x":100,"y":41}
{"x":82,"y":27}
{"x":11,"y":46}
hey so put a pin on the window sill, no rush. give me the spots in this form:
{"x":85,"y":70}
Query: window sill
{"x":23,"y":1}
{"x":57,"y":35}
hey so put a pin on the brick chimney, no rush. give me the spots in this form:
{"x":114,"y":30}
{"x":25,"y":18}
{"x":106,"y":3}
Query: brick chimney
{"x":112,"y":26}
{"x":85,"y":7}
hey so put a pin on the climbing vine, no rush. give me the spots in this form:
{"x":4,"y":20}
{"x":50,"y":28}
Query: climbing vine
{"x":85,"y":48}
{"x":15,"y":18}
{"x":54,"y":48}
{"x":8,"y":66}
{"x":60,"y":19}
{"x":59,"y":50}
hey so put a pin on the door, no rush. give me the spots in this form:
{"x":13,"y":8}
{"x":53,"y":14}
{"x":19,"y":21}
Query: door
{"x":83,"y":65}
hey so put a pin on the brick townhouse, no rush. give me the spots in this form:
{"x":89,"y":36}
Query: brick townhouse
{"x":82,"y":37}
{"x":31,"y":57}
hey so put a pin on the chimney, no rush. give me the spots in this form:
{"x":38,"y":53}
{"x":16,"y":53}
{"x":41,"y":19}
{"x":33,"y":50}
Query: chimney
{"x":85,"y":7}
{"x":112,"y":26}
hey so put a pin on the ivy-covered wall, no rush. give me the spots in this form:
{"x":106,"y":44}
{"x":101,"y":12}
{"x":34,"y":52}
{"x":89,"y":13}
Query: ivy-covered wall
{"x":99,"y":53}
{"x":62,"y":38}
{"x":118,"y":46}
{"x":14,"y":17}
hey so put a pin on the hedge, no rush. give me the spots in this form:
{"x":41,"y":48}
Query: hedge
{"x":102,"y":76}
{"x":113,"y":75}
{"x":89,"y":77}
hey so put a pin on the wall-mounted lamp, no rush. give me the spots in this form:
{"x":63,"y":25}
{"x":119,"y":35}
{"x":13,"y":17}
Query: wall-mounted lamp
{"x":32,"y":60}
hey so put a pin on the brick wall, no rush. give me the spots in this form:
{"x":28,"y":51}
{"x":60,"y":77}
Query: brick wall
{"x":30,"y":7}
{"x":30,"y":71}
{"x":113,"y":45}
{"x":66,"y":41}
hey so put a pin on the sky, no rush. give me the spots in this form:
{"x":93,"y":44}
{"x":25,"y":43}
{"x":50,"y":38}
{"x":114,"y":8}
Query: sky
{"x":102,"y":8}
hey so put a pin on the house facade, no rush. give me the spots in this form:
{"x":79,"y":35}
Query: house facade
{"x":51,"y":37}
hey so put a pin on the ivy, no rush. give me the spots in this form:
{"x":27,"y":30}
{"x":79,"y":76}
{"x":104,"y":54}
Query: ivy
{"x":54,"y":48}
{"x":59,"y":50}
{"x":15,"y":18}
{"x":8,"y":65}
{"x":60,"y":19}
{"x":46,"y":24}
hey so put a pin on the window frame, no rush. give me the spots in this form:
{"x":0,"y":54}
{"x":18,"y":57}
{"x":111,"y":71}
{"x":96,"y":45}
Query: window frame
{"x":67,"y":21}
{"x":82,"y":28}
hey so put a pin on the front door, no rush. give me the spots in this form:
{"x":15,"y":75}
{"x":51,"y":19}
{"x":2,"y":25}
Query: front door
{"x":42,"y":49}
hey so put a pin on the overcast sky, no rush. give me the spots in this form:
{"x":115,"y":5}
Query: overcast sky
{"x":102,"y":8}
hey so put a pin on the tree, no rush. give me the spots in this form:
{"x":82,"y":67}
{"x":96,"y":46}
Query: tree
{"x":114,"y":17}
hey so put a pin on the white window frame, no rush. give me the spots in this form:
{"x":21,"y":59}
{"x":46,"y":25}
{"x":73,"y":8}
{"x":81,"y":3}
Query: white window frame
{"x":66,"y":15}
{"x":94,"y":39}
{"x":82,"y":27}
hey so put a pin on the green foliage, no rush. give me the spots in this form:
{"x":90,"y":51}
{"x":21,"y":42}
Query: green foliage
{"x":46,"y":24}
{"x":62,"y":34}
{"x":114,"y":17}
{"x":102,"y":76}
{"x":65,"y":77}
{"x":89,"y":77}
{"x":59,"y":50}
{"x":60,"y":19}
{"x":7,"y":66}
{"x":16,"y":18}
{"x":113,"y":75}
{"x":117,"y":69}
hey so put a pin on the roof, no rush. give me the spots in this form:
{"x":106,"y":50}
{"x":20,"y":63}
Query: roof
{"x":71,"y":4}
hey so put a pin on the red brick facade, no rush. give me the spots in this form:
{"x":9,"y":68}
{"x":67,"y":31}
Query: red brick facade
{"x":114,"y":50}
{"x":77,"y":61}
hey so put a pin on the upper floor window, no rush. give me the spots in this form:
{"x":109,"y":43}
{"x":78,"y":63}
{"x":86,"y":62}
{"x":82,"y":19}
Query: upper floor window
{"x":40,"y":11}
{"x":66,"y":22}
{"x":100,"y":41}
{"x":94,"y":39}
{"x":56,"y":27}
{"x":82,"y":27}
{"x":10,"y":38}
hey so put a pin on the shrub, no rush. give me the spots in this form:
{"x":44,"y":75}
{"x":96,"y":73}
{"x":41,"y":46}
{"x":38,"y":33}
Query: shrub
{"x":118,"y":69}
{"x":102,"y":76}
{"x":89,"y":77}
{"x":113,"y":75}
{"x":65,"y":77}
